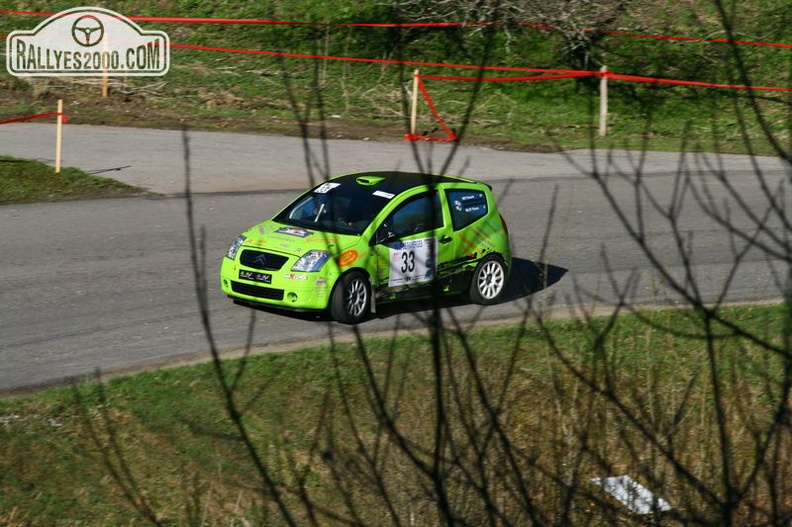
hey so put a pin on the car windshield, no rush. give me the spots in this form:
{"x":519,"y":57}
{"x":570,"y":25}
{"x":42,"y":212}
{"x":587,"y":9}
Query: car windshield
{"x":343,"y":208}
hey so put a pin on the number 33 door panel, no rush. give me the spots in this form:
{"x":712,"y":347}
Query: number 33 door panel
{"x":412,"y":262}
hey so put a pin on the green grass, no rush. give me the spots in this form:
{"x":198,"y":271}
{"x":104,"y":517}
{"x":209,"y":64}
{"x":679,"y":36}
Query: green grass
{"x":310,"y":416}
{"x":25,"y":181}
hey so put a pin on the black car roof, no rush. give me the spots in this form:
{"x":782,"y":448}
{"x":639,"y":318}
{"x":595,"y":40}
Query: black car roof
{"x":397,"y":182}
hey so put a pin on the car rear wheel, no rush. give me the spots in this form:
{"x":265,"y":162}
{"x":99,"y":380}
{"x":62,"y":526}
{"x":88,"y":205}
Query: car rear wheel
{"x":489,"y":280}
{"x":351,"y":298}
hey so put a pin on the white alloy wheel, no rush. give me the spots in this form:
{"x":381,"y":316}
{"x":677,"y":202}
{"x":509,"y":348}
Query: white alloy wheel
{"x":351,"y":298}
{"x":356,"y":296}
{"x":489,"y":280}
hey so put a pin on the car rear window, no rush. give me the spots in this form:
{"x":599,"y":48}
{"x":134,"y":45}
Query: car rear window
{"x":467,"y":206}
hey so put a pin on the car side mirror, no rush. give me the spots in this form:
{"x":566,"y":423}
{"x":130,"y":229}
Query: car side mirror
{"x":383,"y":235}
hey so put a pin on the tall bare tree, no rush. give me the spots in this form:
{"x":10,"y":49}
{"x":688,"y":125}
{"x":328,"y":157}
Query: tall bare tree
{"x":501,"y":443}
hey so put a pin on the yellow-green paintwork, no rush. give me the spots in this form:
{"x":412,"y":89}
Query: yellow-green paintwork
{"x":312,"y":290}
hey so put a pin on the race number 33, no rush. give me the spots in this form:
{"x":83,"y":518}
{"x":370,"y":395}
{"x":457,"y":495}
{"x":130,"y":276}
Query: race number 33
{"x":412,"y":262}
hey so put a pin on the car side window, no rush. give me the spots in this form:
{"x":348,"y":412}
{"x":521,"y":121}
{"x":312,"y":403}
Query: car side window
{"x":466,"y":206}
{"x":418,"y":214}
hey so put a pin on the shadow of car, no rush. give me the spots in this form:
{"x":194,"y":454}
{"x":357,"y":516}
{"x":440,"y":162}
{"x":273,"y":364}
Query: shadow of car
{"x":527,"y":277}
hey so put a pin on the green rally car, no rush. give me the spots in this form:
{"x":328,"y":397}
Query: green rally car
{"x":360,"y":239}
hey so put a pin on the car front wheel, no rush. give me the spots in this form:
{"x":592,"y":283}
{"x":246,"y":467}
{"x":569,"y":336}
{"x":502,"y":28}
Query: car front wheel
{"x":489,"y":280}
{"x":351,"y":298}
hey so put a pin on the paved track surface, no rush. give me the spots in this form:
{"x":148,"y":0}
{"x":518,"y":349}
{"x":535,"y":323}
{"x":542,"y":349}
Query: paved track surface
{"x":231,"y":162}
{"x":108,"y":285}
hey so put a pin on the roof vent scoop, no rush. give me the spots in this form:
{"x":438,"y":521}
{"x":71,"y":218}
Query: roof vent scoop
{"x":369,"y":181}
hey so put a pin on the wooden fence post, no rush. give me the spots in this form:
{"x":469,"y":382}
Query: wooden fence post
{"x":59,"y":137}
{"x":603,"y":117}
{"x":105,"y":75}
{"x":414,"y":108}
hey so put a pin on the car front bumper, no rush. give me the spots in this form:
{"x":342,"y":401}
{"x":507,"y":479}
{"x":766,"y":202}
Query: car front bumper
{"x":283,"y":289}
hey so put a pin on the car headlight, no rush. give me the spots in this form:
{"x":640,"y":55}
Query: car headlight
{"x":311,"y":261}
{"x":234,"y":248}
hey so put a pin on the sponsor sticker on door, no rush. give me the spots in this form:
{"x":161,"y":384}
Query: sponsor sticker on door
{"x":412,"y":262}
{"x":87,"y":42}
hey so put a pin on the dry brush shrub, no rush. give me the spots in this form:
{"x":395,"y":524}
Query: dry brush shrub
{"x":697,"y":422}
{"x":518,"y":437}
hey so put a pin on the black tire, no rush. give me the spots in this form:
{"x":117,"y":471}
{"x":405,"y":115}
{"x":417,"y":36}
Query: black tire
{"x":489,"y":281}
{"x":350,"y":302}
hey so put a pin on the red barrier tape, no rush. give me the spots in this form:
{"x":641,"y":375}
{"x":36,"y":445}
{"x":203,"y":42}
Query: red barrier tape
{"x":39,"y":116}
{"x":555,"y":73}
{"x":375,"y":25}
{"x":608,"y":74}
{"x":370,"y":61}
{"x":692,"y":39}
{"x":32,"y":13}
{"x":450,"y":135}
{"x":652,"y":80}
{"x":570,"y":75}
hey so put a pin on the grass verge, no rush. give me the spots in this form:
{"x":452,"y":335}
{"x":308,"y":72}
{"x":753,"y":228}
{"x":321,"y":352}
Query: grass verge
{"x":168,"y":438}
{"x":26,"y":181}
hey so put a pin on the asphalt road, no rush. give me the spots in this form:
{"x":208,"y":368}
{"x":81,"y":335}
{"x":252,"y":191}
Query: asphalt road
{"x":109,"y":285}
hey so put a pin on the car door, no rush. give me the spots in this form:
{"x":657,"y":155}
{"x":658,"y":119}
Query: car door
{"x":410,"y":242}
